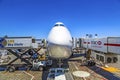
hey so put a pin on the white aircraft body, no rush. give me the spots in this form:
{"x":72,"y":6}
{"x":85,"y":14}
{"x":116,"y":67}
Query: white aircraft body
{"x":59,"y":42}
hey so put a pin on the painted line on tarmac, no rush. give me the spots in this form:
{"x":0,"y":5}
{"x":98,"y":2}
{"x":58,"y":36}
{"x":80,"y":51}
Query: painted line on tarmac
{"x":32,"y":77}
{"x":75,"y":66}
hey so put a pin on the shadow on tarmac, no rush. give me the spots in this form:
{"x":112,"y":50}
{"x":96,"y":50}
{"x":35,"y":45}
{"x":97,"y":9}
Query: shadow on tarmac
{"x":105,"y":74}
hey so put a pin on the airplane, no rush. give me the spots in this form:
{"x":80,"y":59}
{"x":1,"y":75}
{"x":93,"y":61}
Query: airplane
{"x":59,"y":42}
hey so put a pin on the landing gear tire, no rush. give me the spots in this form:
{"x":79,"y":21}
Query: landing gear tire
{"x":40,"y":68}
{"x":109,"y":60}
{"x":115,"y":59}
{"x":11,"y":69}
{"x":28,"y":68}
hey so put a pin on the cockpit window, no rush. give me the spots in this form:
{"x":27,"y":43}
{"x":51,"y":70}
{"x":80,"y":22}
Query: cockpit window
{"x":59,"y":25}
{"x":56,"y":25}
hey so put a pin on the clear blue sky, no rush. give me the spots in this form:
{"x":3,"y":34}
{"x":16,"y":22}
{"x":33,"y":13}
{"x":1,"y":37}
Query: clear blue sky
{"x":37,"y":17}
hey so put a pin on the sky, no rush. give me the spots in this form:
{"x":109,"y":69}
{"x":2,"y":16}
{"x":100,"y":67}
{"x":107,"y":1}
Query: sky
{"x":37,"y":17}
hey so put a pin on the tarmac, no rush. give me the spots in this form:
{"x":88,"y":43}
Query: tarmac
{"x":74,"y":64}
{"x":96,"y":72}
{"x":21,"y":75}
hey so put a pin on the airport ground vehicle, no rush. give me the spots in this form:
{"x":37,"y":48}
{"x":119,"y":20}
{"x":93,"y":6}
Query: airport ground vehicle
{"x":57,"y":74}
{"x":24,"y":54}
{"x":41,"y":63}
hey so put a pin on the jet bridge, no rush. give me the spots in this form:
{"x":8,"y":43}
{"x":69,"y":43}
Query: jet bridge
{"x":12,"y":43}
